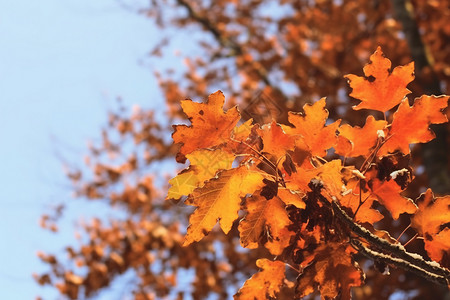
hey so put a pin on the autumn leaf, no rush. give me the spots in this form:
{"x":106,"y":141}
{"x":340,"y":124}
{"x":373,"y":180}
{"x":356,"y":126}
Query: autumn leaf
{"x":438,"y":248}
{"x":360,"y":201}
{"x":432,"y":215}
{"x":243,"y":137}
{"x":362,"y":140}
{"x":309,"y":129}
{"x":332,"y":272}
{"x":266,"y":283}
{"x":211,"y":126}
{"x":299,"y":180}
{"x":290,"y":197}
{"x":388,"y":194}
{"x":265,"y":217}
{"x":219,"y":199}
{"x":381,"y":89}
{"x":331,"y":177}
{"x":411,"y":124}
{"x":275,"y":141}
{"x":204,"y":165}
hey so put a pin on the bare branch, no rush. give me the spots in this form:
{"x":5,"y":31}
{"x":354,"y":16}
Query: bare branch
{"x":225,"y":42}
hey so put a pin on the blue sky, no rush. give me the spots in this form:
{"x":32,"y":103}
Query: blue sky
{"x":62,"y":64}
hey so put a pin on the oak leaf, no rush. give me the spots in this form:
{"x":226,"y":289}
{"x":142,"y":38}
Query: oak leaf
{"x":360,"y":201}
{"x":275,"y":141}
{"x":330,"y":177}
{"x":211,"y":126}
{"x":381,"y":89}
{"x":309,"y":129}
{"x":388,"y":194}
{"x":299,"y":180}
{"x":267,"y":217}
{"x":432,"y":215}
{"x":242,"y":137}
{"x":266,"y":283}
{"x":290,"y":197}
{"x":411,"y":124}
{"x":219,"y":199}
{"x":204,"y":165}
{"x":362,"y":140}
{"x":332,"y":272}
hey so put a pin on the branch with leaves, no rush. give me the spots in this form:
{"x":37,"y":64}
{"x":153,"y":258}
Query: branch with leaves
{"x":311,"y":212}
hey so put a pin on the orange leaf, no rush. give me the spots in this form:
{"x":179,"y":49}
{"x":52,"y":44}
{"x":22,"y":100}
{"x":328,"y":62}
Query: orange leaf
{"x":438,"y":248}
{"x":351,"y":199}
{"x":275,"y":141}
{"x":331,"y":177}
{"x":362,"y":139}
{"x":245,"y":133}
{"x":211,"y":126}
{"x":204,"y":165}
{"x":290,"y":197}
{"x":333,"y":272}
{"x":310,"y":131}
{"x":381,"y":89}
{"x":266,"y":283}
{"x":433,"y":213}
{"x":388,"y":194}
{"x":410,"y":124}
{"x":298,"y":181}
{"x":219,"y":199}
{"x":265,"y":217}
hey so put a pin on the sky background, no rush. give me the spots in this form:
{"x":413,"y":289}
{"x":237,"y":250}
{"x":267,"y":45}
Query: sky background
{"x":62,"y":65}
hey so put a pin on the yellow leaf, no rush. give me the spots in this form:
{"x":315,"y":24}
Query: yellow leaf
{"x":219,"y":199}
{"x":204,"y":165}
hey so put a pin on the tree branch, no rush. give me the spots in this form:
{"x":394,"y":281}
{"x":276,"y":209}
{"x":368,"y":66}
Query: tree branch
{"x":225,"y":42}
{"x":387,"y":259}
{"x":421,"y":267}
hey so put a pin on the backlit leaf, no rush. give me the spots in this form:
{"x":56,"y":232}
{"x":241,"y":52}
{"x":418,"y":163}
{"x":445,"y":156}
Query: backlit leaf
{"x":332,"y":272}
{"x":211,"y":126}
{"x":430,"y":222}
{"x":310,"y":131}
{"x":411,"y":124}
{"x":388,"y":194}
{"x":219,"y":200}
{"x":204,"y":165}
{"x":265,"y":217}
{"x":362,"y":140}
{"x":381,"y":89}
{"x":275,"y":141}
{"x":360,"y":201}
{"x":266,"y":283}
